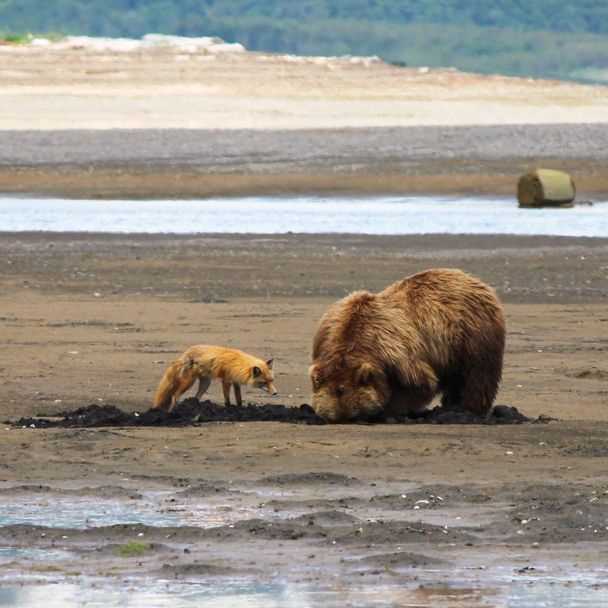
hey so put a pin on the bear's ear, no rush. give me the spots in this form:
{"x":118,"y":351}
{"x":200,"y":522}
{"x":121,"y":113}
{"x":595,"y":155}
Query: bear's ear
{"x":315,"y":376}
{"x":256,"y":371}
{"x":269,"y":363}
{"x":366,"y":374}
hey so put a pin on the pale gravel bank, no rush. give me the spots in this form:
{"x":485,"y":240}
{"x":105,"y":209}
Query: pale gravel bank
{"x":197,"y":163}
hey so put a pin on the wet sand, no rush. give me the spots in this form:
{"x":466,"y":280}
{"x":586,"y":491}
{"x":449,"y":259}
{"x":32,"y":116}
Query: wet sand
{"x":95,"y":318}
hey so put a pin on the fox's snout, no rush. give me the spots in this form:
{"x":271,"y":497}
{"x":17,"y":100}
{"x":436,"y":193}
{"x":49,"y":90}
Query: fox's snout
{"x":270,"y":388}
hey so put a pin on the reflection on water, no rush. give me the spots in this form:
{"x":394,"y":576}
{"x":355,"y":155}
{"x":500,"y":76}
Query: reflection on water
{"x":83,"y":512}
{"x":537,"y":594}
{"x":70,"y":512}
{"x":374,"y":215}
{"x":11,"y":554}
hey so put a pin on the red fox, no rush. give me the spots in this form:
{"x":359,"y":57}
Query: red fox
{"x":203,"y":363}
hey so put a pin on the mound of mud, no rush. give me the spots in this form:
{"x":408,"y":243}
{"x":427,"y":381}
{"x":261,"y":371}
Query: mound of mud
{"x":186,"y":413}
{"x":499,"y":414}
{"x":191,"y":412}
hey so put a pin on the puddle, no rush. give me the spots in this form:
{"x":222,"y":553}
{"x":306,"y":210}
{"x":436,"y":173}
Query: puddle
{"x":158,"y":509}
{"x":13,"y":554}
{"x":80,"y":513}
{"x":517,"y":594}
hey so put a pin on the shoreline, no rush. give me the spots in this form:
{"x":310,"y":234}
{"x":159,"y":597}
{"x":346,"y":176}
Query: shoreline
{"x":106,"y":184}
{"x":183,"y":164}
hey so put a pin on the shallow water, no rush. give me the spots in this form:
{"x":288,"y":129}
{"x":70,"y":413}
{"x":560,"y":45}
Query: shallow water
{"x":527,"y":593}
{"x":87,"y":512}
{"x":71,"y":512}
{"x":11,"y":554}
{"x":373,"y":215}
{"x":52,"y":577}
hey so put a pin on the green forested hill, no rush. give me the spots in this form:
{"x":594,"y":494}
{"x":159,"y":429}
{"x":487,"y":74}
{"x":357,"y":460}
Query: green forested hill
{"x":563,"y":38}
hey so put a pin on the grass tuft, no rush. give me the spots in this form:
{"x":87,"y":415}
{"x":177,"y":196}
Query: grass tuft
{"x":132,"y":549}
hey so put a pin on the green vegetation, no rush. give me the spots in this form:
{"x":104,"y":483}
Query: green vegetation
{"x":23,"y":38}
{"x":132,"y":549}
{"x":16,"y":38}
{"x":560,"y":38}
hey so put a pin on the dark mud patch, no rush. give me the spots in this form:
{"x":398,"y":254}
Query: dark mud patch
{"x":499,"y":414}
{"x":90,"y":323}
{"x":26,"y":534}
{"x":390,"y":532}
{"x":268,"y":530}
{"x":311,"y":478}
{"x":592,"y":373}
{"x":325,"y":504}
{"x":327,"y":518}
{"x":400,"y":559}
{"x":167,"y":480}
{"x":107,"y":492}
{"x":196,"y":569}
{"x":192,"y":412}
{"x":203,"y":489}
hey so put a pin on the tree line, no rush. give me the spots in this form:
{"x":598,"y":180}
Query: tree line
{"x":557,"y":38}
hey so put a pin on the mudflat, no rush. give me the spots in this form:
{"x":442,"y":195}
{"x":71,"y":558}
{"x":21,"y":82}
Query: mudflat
{"x":371,"y":515}
{"x":94,"y":319}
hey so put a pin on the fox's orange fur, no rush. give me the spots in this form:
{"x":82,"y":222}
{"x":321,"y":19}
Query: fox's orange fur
{"x":205,"y":363}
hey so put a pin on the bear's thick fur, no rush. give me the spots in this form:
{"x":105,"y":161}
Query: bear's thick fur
{"x":438,"y":331}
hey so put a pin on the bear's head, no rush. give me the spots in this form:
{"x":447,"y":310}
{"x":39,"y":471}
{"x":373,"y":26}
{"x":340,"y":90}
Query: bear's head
{"x":349,"y":392}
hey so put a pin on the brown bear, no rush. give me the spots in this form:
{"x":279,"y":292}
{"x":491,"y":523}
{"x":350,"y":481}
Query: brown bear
{"x":437,"y":331}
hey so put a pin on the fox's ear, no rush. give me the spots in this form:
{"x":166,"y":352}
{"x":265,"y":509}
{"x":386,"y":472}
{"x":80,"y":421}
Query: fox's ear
{"x":256,"y":371}
{"x":269,"y":363}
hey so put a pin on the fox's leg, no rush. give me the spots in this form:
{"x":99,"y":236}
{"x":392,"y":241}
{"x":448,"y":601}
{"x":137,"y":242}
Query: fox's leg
{"x":226,"y":389}
{"x":178,"y":393}
{"x":203,"y":385}
{"x":237,"y":393}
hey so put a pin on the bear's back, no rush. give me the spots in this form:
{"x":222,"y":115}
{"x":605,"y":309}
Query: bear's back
{"x":428,"y":314}
{"x":447,"y":292}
